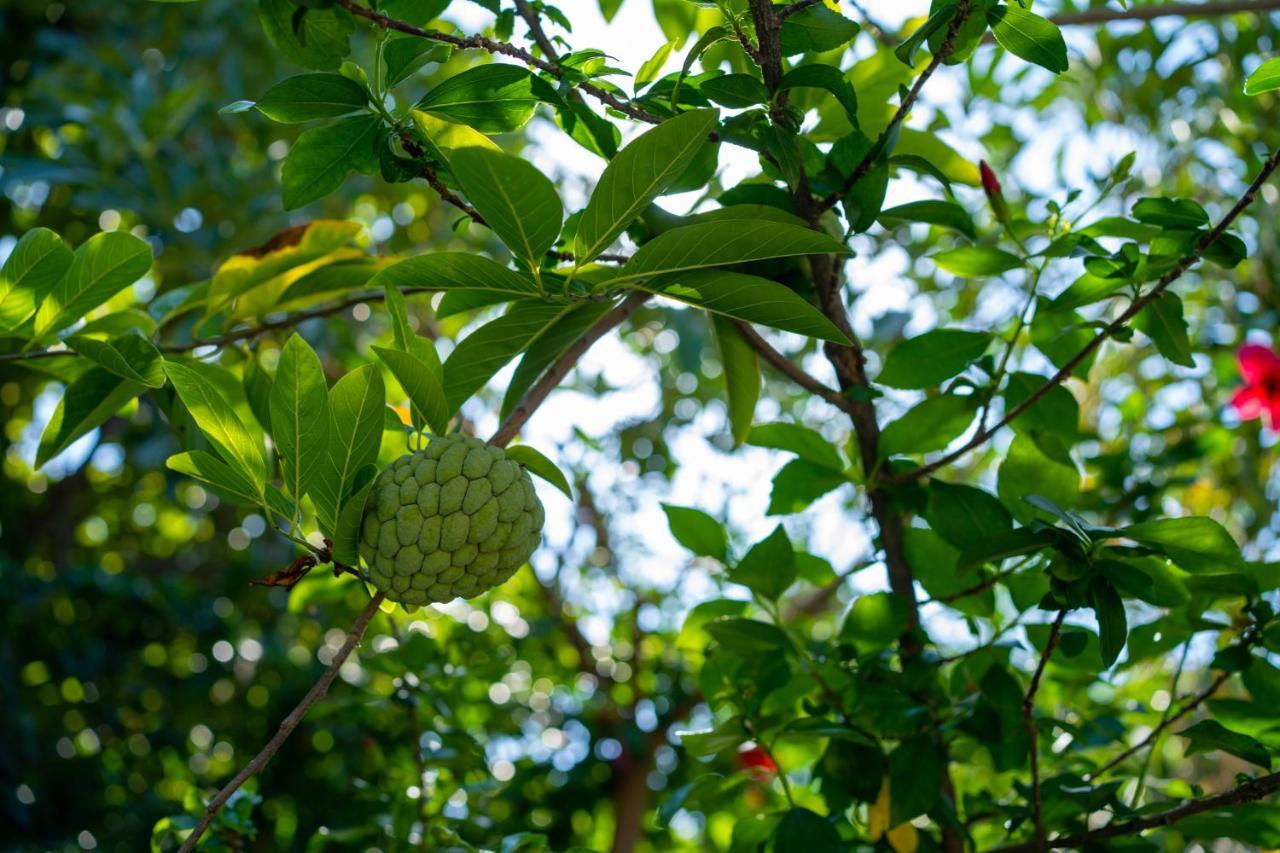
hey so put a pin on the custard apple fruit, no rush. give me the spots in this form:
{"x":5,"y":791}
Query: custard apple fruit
{"x":455,"y":519}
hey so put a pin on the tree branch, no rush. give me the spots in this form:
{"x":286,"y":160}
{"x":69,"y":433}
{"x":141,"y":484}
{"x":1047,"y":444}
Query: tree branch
{"x":791,"y":370}
{"x":983,"y":435}
{"x":868,"y":161}
{"x":560,"y":368}
{"x":314,"y":695}
{"x":1029,"y":723}
{"x":1251,"y":791}
{"x":1167,"y":10}
{"x":499,"y":48}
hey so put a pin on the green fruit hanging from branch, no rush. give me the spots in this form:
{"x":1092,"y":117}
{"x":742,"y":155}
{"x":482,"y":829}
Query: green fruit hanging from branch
{"x":453,"y":520}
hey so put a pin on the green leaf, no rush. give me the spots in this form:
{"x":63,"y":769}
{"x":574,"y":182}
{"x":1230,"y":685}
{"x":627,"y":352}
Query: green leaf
{"x":1176,"y":213}
{"x":421,"y":381}
{"x":929,"y":425}
{"x":806,"y":443}
{"x":915,"y":777}
{"x":317,"y":39}
{"x":1037,"y":465}
{"x":557,"y":338}
{"x":36,"y":264}
{"x":456,"y":271}
{"x":299,"y":406}
{"x":346,"y":533}
{"x":965,"y":516}
{"x":404,"y":336}
{"x":1262,"y":680}
{"x":130,"y":356}
{"x":403,"y":56}
{"x":816,"y":29}
{"x":741,"y":375}
{"x":212,"y":471}
{"x":312,"y":96}
{"x":541,"y":466}
{"x":747,"y":297}
{"x":800,"y":483}
{"x":1113,"y":628}
{"x":1029,"y":36}
{"x":490,"y":98}
{"x":356,"y":404}
{"x":1000,"y":546}
{"x":516,"y":200}
{"x":697,"y":531}
{"x":213,"y":413}
{"x":736,"y":91}
{"x":639,"y":173}
{"x":826,"y":77}
{"x":974,"y":261}
{"x":946,"y":214}
{"x":1056,"y":413}
{"x":485,"y":351}
{"x":717,"y":243}
{"x":1265,"y":78}
{"x":1162,"y":322}
{"x":747,"y":636}
{"x":88,"y":402}
{"x":104,"y":265}
{"x":319,"y":161}
{"x":803,"y":831}
{"x":769,"y":567}
{"x":928,"y":359}
{"x":651,"y":67}
{"x":876,"y":619}
{"x":1210,"y":735}
{"x":1195,"y":543}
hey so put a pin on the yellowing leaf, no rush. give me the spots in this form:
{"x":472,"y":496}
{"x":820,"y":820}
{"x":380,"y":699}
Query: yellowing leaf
{"x":878,"y":813}
{"x":903,"y":838}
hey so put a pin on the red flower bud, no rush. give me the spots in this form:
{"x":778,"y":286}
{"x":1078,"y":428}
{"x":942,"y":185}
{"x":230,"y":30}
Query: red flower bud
{"x":995,"y":194}
{"x":757,"y":761}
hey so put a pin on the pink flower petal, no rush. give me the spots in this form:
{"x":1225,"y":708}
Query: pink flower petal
{"x":1257,"y":363}
{"x":1250,"y":402}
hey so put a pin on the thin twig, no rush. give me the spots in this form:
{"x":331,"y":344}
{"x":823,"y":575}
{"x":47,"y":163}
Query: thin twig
{"x":314,"y":695}
{"x":1251,"y":791}
{"x":791,"y":370}
{"x":502,"y":48}
{"x":1116,"y":325}
{"x":560,"y":368}
{"x":1151,"y":12}
{"x":1029,"y":723}
{"x":868,"y":161}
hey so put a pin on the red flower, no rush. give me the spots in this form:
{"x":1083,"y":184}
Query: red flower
{"x":1260,"y":368}
{"x":757,"y":761}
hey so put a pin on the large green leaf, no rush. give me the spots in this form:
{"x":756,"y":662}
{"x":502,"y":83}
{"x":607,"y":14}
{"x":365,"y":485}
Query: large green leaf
{"x":129,"y":356}
{"x":750,"y":298}
{"x":741,"y":368}
{"x":550,"y":344}
{"x":456,"y":271}
{"x":1113,"y":624}
{"x":516,"y":200}
{"x":36,"y":264}
{"x":1265,"y":78}
{"x":1195,"y":543}
{"x":356,"y":404}
{"x":94,"y":396}
{"x":539,"y":465}
{"x":491,"y":98}
{"x":1029,"y":36}
{"x":1037,"y":464}
{"x":931,"y":358}
{"x":299,"y":407}
{"x":346,"y":532}
{"x":212,"y":471}
{"x":719,"y":243}
{"x":965,"y":516}
{"x":930,"y":425}
{"x":636,"y":176}
{"x":1162,"y":321}
{"x":421,"y":381}
{"x":319,"y":161}
{"x":769,"y":567}
{"x":806,"y":443}
{"x":104,"y":265}
{"x":483,"y":353}
{"x":213,"y":413}
{"x":317,"y":39}
{"x":312,"y":96}
{"x":1210,"y":735}
{"x":973,"y":261}
{"x":697,"y":531}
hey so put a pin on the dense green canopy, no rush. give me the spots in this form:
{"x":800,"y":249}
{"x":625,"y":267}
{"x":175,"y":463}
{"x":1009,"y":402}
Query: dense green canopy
{"x":897,"y":382}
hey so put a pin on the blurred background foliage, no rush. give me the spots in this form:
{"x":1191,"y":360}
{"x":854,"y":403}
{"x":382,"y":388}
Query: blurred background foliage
{"x":139,"y":668}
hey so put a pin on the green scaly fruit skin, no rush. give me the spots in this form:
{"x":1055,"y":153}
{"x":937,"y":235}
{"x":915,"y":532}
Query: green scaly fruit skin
{"x":453,"y":520}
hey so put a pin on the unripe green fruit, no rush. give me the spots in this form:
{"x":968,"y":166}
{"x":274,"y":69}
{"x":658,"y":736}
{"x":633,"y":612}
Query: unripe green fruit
{"x":453,"y":520}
